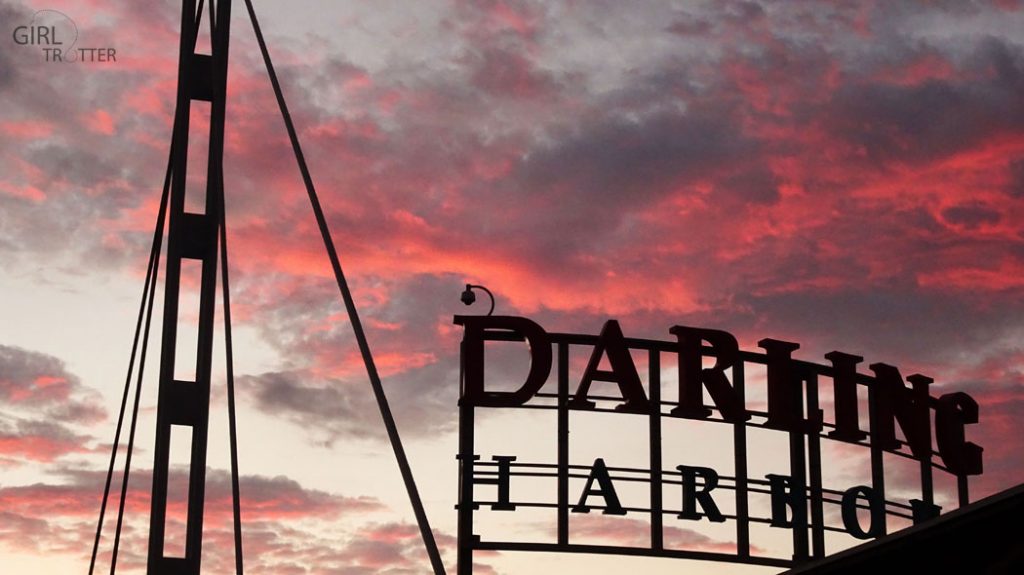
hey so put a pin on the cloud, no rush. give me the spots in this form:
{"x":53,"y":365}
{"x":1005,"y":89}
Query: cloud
{"x":845,"y":175}
{"x":286,"y":527}
{"x":849,"y":197}
{"x":26,"y":440}
{"x":67,"y":185}
{"x":971,"y":216}
{"x":331,"y":409}
{"x":935,"y":118}
{"x":388,"y":548}
{"x":1016,"y":187}
{"x":636,"y":533}
{"x":45,"y":406}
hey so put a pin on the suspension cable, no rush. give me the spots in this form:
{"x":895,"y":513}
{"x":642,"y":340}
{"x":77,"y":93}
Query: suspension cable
{"x":232,"y":427}
{"x":147,"y":295}
{"x":364,"y":348}
{"x":236,"y":506}
{"x":138,"y":392}
{"x":148,"y":292}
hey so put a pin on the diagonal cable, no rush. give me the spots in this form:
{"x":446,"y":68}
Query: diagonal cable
{"x":147,"y":296}
{"x":138,"y":392}
{"x":229,"y":357}
{"x":149,"y":290}
{"x":364,"y":348}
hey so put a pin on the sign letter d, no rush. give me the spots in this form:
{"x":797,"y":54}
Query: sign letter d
{"x":479,"y":329}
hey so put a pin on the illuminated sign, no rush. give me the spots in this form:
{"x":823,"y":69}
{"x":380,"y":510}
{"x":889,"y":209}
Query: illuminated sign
{"x":710,"y":361}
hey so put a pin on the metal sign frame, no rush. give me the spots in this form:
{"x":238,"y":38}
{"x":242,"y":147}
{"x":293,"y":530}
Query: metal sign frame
{"x":798,"y":500}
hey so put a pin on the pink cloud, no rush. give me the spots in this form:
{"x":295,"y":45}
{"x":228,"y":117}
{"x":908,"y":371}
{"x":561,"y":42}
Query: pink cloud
{"x":712,"y":168}
{"x":101,"y":122}
{"x":28,"y":129}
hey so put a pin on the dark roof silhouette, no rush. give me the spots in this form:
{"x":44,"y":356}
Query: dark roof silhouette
{"x":982,"y":538}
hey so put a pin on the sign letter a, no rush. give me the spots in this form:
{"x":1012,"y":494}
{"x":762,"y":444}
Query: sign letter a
{"x":623,"y":372}
{"x":599,"y":473}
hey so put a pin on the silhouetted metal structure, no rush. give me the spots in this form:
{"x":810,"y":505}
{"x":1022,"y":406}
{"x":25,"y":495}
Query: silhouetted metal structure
{"x":195,"y":237}
{"x":191,"y":237}
{"x":798,"y":500}
{"x":200,"y":238}
{"x":983,"y":537}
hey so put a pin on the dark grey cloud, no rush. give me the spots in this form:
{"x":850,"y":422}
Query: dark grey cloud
{"x":329,"y":409}
{"x":624,"y":161}
{"x":971,"y":215}
{"x":743,"y":11}
{"x":9,"y":13}
{"x":936,"y":118}
{"x":38,"y":382}
{"x":84,"y":175}
{"x":1016,"y":187}
{"x":313,"y":331}
{"x":687,"y":25}
{"x":45,"y":407}
{"x":508,"y":73}
{"x":757,"y":186}
{"x":895,"y":324}
{"x":84,"y":167}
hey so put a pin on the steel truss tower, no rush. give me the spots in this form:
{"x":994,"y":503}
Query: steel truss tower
{"x":192,"y":237}
{"x":196,"y":244}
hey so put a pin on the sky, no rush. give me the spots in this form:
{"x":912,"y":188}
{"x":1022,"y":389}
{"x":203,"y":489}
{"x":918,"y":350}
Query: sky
{"x":848,"y":175}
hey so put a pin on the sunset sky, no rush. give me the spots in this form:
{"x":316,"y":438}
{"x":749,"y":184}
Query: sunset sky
{"x":844,"y":174}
